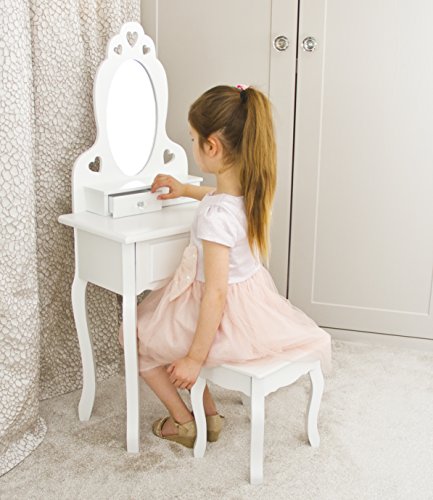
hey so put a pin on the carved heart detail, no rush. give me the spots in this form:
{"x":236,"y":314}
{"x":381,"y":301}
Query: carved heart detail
{"x":118,"y":49}
{"x":168,"y":156}
{"x":146,"y":49}
{"x":132,"y":38}
{"x":95,"y":165}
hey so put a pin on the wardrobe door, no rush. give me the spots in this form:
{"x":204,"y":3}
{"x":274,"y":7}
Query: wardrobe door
{"x":203,"y":43}
{"x":361,"y":253}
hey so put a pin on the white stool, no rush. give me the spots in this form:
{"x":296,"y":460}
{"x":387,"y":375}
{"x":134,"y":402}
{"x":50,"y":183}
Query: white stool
{"x":257,"y":380}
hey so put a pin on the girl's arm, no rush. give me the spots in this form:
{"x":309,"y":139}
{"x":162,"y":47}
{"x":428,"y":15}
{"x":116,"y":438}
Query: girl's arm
{"x":216,"y":266}
{"x":184,"y":372}
{"x":177,"y":189}
{"x":196,"y":192}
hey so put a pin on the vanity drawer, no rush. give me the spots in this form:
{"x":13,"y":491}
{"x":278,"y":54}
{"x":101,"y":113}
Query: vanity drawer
{"x":122,"y":205}
{"x":157,"y":260}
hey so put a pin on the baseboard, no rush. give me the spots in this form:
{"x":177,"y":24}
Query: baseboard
{"x":381,"y":338}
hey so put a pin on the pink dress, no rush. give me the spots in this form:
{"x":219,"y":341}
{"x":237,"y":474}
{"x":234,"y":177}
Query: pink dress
{"x":257,"y":322}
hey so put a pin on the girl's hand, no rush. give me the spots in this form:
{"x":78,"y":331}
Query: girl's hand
{"x":184,"y":372}
{"x":175,"y":187}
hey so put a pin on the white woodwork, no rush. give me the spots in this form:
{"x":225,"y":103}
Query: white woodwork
{"x":282,"y":90}
{"x":167,"y":222}
{"x":100,"y":260}
{"x":317,"y":388}
{"x":257,"y":430}
{"x":255,"y":380}
{"x":401,"y":342}
{"x":244,"y":54}
{"x":78,"y":296}
{"x":362,"y":215}
{"x":122,"y":205}
{"x":157,"y":260}
{"x":129,"y":310}
{"x":113,"y":100}
{"x":117,"y":246}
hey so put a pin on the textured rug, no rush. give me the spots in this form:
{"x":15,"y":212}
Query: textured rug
{"x":375,"y":423}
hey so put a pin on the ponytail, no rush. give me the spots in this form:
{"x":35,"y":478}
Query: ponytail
{"x":244,"y":119}
{"x":258,"y":169}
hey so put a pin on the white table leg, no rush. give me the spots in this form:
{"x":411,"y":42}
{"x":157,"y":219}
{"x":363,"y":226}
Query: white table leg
{"x":317,"y":384}
{"x":78,"y":294}
{"x":257,"y":431}
{"x":130,"y":349}
{"x":199,"y":416}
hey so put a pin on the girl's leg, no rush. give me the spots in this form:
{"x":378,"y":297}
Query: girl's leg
{"x":208,"y":402}
{"x":158,"y":380}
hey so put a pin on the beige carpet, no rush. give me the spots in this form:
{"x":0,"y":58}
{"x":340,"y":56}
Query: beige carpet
{"x":376,"y":427}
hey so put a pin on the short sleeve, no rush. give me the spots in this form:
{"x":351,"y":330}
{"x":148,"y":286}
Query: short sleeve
{"x":217,"y":224}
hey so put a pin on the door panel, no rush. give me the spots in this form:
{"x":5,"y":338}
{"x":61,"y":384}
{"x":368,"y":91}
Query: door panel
{"x":361,"y":254}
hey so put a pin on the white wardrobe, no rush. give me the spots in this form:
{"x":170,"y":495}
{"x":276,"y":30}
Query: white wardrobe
{"x":350,"y":82}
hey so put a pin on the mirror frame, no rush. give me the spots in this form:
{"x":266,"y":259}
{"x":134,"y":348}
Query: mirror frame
{"x":96,"y":166}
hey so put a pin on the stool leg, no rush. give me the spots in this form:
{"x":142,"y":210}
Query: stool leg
{"x":317,"y":385}
{"x":199,"y":416}
{"x":257,"y":431}
{"x":246,"y":401}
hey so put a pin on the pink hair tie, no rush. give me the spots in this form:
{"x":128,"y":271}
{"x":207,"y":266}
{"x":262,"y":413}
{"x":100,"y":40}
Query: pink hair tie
{"x":242,"y":94}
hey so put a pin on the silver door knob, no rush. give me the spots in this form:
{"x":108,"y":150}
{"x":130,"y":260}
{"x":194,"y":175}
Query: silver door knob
{"x":309,"y":44}
{"x":281,"y":43}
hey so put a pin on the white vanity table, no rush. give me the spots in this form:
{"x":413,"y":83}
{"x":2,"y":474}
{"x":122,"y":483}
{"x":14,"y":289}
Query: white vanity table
{"x":126,"y":240}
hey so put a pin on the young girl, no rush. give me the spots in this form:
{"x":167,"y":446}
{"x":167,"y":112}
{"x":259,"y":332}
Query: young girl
{"x":222,"y":305}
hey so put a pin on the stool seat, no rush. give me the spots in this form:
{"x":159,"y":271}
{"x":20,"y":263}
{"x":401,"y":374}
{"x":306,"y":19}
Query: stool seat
{"x":257,"y":369}
{"x":256,"y":379}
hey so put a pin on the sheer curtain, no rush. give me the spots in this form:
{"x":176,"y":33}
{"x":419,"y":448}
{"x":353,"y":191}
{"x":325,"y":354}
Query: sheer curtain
{"x":49,"y":52}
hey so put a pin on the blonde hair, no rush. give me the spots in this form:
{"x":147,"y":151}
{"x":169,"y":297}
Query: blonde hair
{"x":244,"y":120}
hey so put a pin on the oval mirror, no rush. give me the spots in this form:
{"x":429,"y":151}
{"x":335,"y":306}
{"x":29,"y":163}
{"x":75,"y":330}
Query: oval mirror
{"x":131,"y":117}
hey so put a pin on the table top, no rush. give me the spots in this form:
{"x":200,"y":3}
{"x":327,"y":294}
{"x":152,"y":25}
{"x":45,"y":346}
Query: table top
{"x":168,"y":221}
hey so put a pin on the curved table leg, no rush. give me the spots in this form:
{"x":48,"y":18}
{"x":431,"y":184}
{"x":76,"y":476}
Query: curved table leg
{"x":78,"y":294}
{"x":130,"y":349}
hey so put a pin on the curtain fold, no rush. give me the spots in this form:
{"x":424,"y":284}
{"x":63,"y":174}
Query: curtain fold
{"x":49,"y":53}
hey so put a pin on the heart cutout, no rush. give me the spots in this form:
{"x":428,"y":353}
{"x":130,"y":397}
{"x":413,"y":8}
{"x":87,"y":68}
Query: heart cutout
{"x":146,"y":49}
{"x":132,"y":38}
{"x":168,"y":156}
{"x":95,"y":165}
{"x":118,"y":49}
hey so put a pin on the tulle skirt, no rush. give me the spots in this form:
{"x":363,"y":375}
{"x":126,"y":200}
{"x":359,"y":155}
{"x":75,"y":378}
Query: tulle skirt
{"x":257,"y":323}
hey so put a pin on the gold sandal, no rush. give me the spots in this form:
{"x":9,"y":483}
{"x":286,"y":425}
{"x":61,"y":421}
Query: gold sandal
{"x":214,"y":424}
{"x":186,"y":433}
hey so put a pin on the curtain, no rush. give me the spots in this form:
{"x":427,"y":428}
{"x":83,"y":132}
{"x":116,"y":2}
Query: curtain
{"x":49,"y":53}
